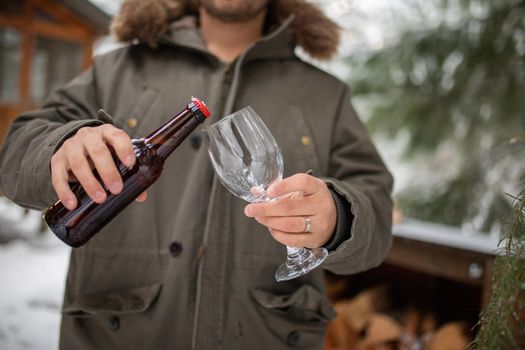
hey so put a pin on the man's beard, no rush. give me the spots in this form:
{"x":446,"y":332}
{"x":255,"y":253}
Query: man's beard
{"x":234,"y":10}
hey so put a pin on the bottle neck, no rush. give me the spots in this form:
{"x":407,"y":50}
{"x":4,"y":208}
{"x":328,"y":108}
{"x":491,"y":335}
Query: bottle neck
{"x":169,"y":136}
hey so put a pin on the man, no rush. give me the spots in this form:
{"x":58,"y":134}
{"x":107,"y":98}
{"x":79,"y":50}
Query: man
{"x":186,"y":269}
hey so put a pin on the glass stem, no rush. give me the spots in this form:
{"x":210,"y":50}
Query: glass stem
{"x":296,"y":254}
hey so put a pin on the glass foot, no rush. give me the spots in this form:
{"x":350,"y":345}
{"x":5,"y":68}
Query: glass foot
{"x":299,"y":262}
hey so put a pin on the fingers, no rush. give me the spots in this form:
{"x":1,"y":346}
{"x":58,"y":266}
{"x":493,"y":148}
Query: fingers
{"x":307,"y":240}
{"x":304,"y":183}
{"x":294,"y":224}
{"x":121,"y":143}
{"x":294,"y":196}
{"x":290,"y":231}
{"x":59,"y":178}
{"x":103,"y":161}
{"x":285,"y":216}
{"x":79,"y":166}
{"x":142,"y":197}
{"x":283,"y":207}
{"x":89,"y":147}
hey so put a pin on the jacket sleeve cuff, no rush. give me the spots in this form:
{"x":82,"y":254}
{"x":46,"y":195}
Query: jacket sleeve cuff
{"x":43,"y":183}
{"x":343,"y":227}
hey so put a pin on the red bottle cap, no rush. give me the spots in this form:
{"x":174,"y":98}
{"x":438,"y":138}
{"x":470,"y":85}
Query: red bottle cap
{"x":201,"y":106}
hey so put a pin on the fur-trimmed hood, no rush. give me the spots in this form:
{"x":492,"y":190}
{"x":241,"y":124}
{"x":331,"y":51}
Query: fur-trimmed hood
{"x":147,"y":20}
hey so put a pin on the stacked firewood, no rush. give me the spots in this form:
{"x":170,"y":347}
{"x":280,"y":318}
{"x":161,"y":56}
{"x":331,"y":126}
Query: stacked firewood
{"x":363,"y":324}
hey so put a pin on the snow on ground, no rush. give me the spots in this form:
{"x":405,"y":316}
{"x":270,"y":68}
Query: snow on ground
{"x":32,"y":276}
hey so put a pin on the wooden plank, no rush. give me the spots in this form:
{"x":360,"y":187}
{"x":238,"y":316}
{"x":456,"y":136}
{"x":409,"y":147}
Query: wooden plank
{"x":28,"y":47}
{"x":88,"y":52}
{"x":438,"y":261}
{"x":486,"y":292}
{"x":48,"y":29}
{"x":6,"y":21}
{"x":70,"y":33}
{"x":63,"y":14}
{"x":5,"y":121}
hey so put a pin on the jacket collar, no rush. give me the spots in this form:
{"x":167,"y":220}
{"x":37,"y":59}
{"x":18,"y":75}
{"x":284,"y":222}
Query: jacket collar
{"x":277,"y":44}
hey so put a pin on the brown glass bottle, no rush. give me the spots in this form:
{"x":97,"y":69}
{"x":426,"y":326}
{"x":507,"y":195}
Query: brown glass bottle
{"x":76,"y":227}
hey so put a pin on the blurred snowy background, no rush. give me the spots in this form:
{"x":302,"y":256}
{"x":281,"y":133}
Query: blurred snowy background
{"x":411,"y":65}
{"x":32,"y":271}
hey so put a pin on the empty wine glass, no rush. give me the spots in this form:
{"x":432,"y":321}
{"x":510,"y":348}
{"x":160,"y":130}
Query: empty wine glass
{"x":247,"y":161}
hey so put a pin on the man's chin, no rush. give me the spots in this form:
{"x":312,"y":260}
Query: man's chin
{"x":234,"y":11}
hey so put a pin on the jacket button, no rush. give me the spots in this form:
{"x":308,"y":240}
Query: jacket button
{"x":175,"y":249}
{"x":196,"y":141}
{"x":114,"y":323}
{"x":293,"y":338}
{"x":306,"y":140}
{"x":132,"y":123}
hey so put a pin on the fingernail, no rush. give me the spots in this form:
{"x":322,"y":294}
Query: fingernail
{"x":130,"y":160}
{"x":70,"y":204}
{"x":248,"y":211}
{"x":116,"y":187}
{"x":100,"y":195}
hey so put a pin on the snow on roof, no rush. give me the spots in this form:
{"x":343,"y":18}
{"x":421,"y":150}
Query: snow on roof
{"x":90,"y":11}
{"x":110,"y":7}
{"x":448,"y":236}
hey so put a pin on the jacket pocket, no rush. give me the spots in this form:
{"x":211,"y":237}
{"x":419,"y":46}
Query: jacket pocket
{"x":298,"y":143}
{"x":298,"y":319}
{"x":135,"y":123}
{"x":114,"y":302}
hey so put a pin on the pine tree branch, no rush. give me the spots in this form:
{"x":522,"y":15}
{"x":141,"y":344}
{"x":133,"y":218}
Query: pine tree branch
{"x":501,"y":323}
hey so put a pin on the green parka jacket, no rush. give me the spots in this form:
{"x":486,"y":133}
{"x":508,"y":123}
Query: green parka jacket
{"x":186,"y":269}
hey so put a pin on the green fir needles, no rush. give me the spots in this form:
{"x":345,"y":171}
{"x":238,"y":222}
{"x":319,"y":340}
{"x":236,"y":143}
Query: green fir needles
{"x":502,"y":322}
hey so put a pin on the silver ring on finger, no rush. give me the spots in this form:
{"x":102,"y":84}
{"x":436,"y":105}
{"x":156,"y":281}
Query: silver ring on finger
{"x":307,"y":225}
